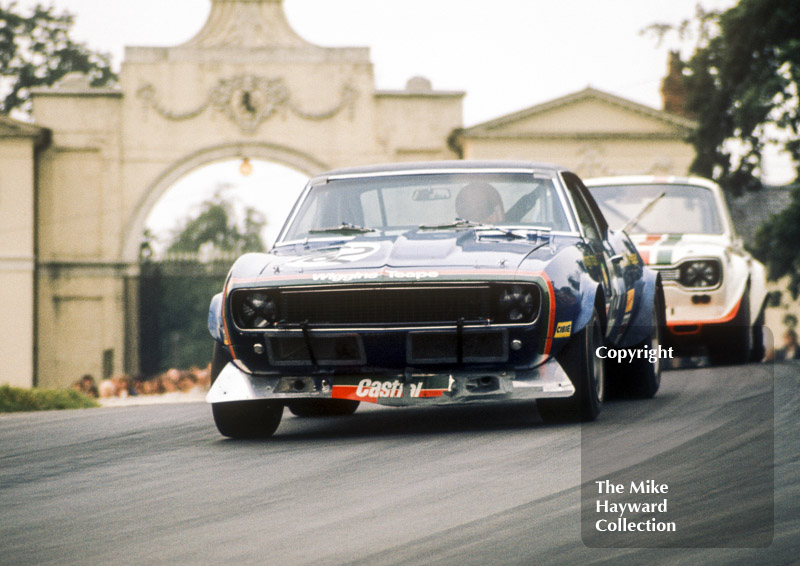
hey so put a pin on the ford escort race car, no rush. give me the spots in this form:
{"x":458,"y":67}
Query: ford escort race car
{"x":715,"y":291}
{"x":430,"y":284}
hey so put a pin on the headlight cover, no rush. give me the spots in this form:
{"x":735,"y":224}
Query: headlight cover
{"x":518,"y":303}
{"x":700,"y":273}
{"x":253,"y":309}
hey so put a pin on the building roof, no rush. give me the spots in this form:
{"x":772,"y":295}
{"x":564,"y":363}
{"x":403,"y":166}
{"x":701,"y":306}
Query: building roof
{"x":11,"y":128}
{"x":500,"y":126}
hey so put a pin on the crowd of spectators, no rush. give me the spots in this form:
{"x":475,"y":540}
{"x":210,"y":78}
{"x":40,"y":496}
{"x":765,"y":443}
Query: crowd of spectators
{"x":172,"y":381}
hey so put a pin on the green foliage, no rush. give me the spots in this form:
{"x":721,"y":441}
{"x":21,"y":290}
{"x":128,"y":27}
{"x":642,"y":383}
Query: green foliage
{"x":776,"y":244}
{"x":216,"y":227}
{"x":36,"y":50}
{"x":14,"y":399}
{"x":742,"y":83}
{"x":743,"y":76}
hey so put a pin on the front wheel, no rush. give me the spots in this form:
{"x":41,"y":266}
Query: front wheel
{"x":586,"y":371}
{"x":759,"y":350}
{"x":641,"y":376}
{"x":219,"y":359}
{"x":247,"y":419}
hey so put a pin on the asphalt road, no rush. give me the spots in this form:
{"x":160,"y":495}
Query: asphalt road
{"x":467,"y":485}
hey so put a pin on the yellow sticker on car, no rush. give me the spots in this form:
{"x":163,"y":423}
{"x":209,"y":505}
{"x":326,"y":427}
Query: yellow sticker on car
{"x":563,"y":330}
{"x":629,"y":302}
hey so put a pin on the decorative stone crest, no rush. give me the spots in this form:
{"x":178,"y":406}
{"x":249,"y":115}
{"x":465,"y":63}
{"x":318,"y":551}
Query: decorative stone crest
{"x":248,"y":101}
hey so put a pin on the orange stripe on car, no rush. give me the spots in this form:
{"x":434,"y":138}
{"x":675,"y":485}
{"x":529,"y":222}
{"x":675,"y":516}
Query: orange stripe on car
{"x":225,"y":322}
{"x":700,"y":323}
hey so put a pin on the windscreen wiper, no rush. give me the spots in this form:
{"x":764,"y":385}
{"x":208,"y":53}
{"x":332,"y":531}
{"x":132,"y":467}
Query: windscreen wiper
{"x":345,"y":228}
{"x":457,"y":224}
{"x":461,"y":223}
{"x":647,"y":208}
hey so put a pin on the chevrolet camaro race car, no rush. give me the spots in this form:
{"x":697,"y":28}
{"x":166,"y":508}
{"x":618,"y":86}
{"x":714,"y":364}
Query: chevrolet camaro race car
{"x":715,"y":291}
{"x":431,"y":284}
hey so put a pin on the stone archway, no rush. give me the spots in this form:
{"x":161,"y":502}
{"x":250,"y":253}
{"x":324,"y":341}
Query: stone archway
{"x":246,"y":84}
{"x":299,"y":161}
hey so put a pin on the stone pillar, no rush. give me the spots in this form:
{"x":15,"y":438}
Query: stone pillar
{"x":18,"y":146}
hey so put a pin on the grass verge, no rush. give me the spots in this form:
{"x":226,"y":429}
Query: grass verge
{"x":15,"y":399}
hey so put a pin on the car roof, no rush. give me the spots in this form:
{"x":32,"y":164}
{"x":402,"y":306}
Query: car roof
{"x":728,"y":227}
{"x":446,"y":166}
{"x":651,"y":180}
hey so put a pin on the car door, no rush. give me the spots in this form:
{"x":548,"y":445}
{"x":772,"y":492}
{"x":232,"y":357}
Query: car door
{"x":600,"y":257}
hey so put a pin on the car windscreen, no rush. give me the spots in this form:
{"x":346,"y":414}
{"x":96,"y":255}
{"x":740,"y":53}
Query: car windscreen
{"x":684,"y":209}
{"x":397,"y":203}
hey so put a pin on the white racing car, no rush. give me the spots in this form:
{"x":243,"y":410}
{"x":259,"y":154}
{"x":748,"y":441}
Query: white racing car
{"x":714,"y":290}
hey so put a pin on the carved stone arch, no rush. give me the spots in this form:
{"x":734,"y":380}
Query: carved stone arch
{"x":132,"y":237}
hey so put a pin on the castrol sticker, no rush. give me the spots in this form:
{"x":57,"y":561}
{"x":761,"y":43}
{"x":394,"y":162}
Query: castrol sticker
{"x":373,"y":390}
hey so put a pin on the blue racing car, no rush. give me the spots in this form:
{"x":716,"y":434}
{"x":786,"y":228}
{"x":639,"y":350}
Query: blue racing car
{"x":436,"y":283}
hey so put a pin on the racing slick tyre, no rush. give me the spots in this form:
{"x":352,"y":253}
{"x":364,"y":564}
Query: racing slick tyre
{"x":219,"y":359}
{"x":733,"y":343}
{"x":247,"y":419}
{"x":640,"y":378}
{"x":323,"y":407}
{"x":586,"y":371}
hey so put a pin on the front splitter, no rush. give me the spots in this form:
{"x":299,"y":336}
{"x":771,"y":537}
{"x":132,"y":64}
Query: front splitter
{"x":408,"y":388}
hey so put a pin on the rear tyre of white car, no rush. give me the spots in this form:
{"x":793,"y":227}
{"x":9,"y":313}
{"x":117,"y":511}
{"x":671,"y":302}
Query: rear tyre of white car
{"x":586,"y":371}
{"x":247,"y":419}
{"x":733,"y":343}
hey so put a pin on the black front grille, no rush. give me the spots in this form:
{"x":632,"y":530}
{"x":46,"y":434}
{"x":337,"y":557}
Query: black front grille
{"x":386,"y":305}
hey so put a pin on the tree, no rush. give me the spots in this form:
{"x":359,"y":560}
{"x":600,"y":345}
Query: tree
{"x":776,"y":244}
{"x":36,"y":50}
{"x":742,"y":87}
{"x":216,"y":227}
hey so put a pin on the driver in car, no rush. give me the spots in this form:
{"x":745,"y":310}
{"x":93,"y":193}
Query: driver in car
{"x":480,"y":202}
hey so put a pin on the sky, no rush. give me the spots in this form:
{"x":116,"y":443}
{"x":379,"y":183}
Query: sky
{"x":506,"y":55}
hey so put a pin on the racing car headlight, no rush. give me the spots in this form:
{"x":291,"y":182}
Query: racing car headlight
{"x":700,"y":273}
{"x":254,"y":309}
{"x":518,"y":303}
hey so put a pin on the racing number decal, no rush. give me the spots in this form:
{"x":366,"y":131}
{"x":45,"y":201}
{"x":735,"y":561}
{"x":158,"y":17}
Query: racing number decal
{"x":348,"y":253}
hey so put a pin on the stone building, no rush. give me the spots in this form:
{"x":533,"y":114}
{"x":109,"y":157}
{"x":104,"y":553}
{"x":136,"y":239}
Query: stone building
{"x":76,"y":188}
{"x":591,"y":132}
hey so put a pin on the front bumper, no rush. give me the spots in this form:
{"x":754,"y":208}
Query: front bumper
{"x":396,"y":389}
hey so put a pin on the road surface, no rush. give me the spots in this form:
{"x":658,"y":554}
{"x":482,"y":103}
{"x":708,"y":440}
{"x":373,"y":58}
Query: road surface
{"x":465,"y":485}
